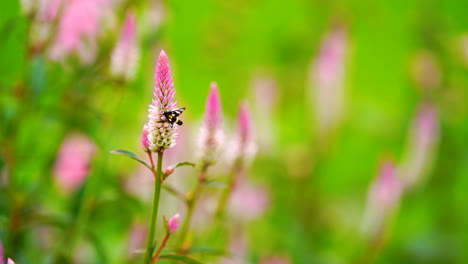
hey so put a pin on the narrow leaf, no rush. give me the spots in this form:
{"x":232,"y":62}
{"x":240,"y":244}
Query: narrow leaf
{"x":184,"y":164}
{"x":130,"y":155}
{"x":179,"y":258}
{"x":174,"y":192}
{"x":215,"y":183}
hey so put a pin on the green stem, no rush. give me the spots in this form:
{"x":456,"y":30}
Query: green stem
{"x":154,"y":214}
{"x":191,"y":203}
{"x":223,"y":200}
{"x":163,"y":244}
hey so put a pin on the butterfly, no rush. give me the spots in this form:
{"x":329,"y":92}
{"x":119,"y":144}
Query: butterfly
{"x":172,"y":116}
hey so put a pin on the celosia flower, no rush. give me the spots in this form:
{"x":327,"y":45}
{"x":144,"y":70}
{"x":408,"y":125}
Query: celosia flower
{"x":384,"y":196}
{"x":327,"y":81}
{"x":144,"y":138}
{"x":78,"y":29}
{"x":161,"y":134}
{"x":173,"y":223}
{"x":125,"y":56}
{"x":72,"y":165}
{"x":243,"y":147}
{"x":211,"y":136}
{"x":424,"y":135}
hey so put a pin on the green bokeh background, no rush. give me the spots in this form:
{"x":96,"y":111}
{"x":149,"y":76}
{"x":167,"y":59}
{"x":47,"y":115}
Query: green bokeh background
{"x":311,"y":219}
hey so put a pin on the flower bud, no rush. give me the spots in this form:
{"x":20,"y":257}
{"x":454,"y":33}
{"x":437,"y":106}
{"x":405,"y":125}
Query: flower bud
{"x":144,"y":138}
{"x":168,"y":171}
{"x":173,"y":223}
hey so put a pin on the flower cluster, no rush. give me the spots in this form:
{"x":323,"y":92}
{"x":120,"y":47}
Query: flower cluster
{"x":161,"y":134}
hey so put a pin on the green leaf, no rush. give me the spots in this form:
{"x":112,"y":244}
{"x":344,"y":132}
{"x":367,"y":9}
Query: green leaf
{"x":179,"y":258}
{"x":130,"y":155}
{"x":183,"y":164}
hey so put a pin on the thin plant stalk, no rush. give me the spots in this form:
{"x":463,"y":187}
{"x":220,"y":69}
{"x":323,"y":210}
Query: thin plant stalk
{"x":163,"y":244}
{"x":223,"y":201}
{"x":154,"y":214}
{"x":191,"y":204}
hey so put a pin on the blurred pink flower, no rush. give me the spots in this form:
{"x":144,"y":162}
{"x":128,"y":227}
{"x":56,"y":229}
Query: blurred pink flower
{"x":248,"y":201}
{"x":211,"y":136}
{"x":173,"y":223}
{"x":78,"y":29}
{"x":424,"y":136}
{"x":161,"y":134}
{"x":243,"y":147}
{"x":137,"y":237}
{"x":327,"y":75}
{"x":125,"y":56}
{"x":73,"y":161}
{"x":48,"y":9}
{"x":383,"y":197}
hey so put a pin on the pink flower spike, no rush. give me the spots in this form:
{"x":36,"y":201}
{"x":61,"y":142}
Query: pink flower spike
{"x":383,"y":197}
{"x":327,"y":80}
{"x":211,"y":136}
{"x":243,"y":146}
{"x":161,"y":134}
{"x":244,"y":124}
{"x":386,"y":189}
{"x":125,"y":56}
{"x":10,"y":261}
{"x":213,"y":112}
{"x":422,"y":143}
{"x":173,"y":223}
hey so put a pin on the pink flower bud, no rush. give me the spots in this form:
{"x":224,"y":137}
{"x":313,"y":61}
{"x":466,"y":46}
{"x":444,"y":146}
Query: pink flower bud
{"x":173,"y":223}
{"x":10,"y":261}
{"x":168,"y":171}
{"x":144,"y":138}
